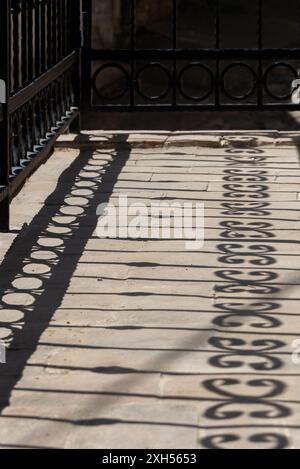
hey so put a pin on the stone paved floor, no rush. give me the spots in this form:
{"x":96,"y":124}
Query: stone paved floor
{"x":142,"y":343}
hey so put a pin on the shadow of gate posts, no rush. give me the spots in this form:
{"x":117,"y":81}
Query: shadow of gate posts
{"x":40,"y":86}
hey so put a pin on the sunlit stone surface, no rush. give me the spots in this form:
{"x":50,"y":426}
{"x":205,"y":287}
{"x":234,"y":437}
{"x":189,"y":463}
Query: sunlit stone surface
{"x":141,"y":343}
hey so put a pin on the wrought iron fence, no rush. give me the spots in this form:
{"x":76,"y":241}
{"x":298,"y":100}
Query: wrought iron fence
{"x":40,"y":87}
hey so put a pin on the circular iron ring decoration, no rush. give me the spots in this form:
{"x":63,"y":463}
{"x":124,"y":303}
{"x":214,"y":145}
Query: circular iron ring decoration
{"x":181,"y":79}
{"x":158,"y":66}
{"x":251,"y":90}
{"x":266,"y":86}
{"x":105,"y":67}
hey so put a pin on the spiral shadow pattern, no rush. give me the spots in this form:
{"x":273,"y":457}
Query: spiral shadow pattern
{"x":244,"y":296}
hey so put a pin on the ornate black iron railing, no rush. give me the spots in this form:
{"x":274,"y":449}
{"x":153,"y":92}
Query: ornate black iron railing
{"x":217,"y":66}
{"x":40,"y":71}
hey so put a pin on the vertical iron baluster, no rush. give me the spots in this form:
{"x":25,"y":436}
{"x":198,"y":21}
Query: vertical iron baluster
{"x":51,"y":32}
{"x":86,"y":89}
{"x":60,"y":30}
{"x":30,"y":40}
{"x":77,"y":80}
{"x":37,"y":37}
{"x":55,"y":32}
{"x":46,"y":8}
{"x":133,"y":48}
{"x":24,"y":44}
{"x":63,"y":30}
{"x":5,"y":63}
{"x":11,"y":45}
{"x":15,"y":45}
{"x":49,"y":35}
{"x":34,"y":38}
{"x":74,"y":25}
{"x":69,"y":27}
{"x":174,"y":46}
{"x":43,"y":41}
{"x":20,"y":44}
{"x":218,"y":45}
{"x":260,"y":47}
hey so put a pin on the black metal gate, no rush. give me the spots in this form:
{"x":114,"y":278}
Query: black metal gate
{"x":268,"y":71}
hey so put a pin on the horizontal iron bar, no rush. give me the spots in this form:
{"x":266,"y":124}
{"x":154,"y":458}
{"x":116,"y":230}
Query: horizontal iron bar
{"x":26,"y":94}
{"x":194,"y":107}
{"x":221,"y":54}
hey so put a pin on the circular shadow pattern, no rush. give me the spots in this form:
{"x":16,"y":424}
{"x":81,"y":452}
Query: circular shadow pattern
{"x":111,"y":67}
{"x":153,"y":66}
{"x":284,"y":68}
{"x":236,"y":80}
{"x":191,"y":69}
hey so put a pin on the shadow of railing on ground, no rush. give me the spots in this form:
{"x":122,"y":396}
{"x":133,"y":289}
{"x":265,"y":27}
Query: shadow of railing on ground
{"x":37,"y":270}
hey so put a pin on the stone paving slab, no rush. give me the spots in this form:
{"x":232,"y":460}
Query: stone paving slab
{"x":180,"y":139}
{"x":142,"y":343}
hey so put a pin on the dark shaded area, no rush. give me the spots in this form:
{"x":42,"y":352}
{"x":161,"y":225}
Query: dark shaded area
{"x":202,"y":120}
{"x":46,"y":299}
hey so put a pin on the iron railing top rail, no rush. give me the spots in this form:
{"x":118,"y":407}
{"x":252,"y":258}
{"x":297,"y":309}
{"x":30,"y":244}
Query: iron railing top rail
{"x":21,"y":97}
{"x":210,"y":53}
